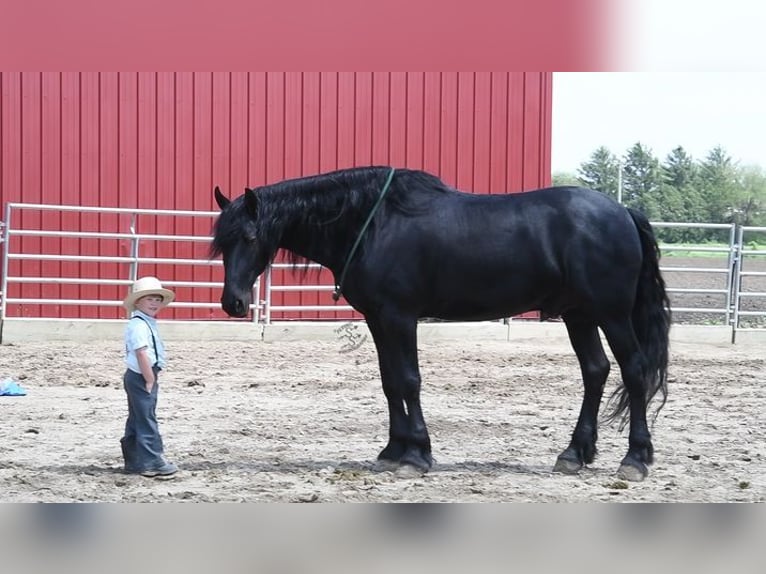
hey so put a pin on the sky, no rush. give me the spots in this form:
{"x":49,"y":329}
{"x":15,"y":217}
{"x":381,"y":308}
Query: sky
{"x":688,"y":35}
{"x":662,"y":110}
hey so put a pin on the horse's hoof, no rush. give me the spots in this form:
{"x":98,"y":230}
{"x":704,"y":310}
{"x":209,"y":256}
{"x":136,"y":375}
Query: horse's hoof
{"x":385,"y":465}
{"x":632,"y":473}
{"x":418,"y":459}
{"x":410,"y":471}
{"x":566,"y":466}
{"x":393,"y":452}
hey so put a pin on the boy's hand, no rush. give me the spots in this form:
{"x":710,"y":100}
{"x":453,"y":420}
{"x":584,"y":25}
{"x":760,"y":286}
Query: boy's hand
{"x":146,"y":369}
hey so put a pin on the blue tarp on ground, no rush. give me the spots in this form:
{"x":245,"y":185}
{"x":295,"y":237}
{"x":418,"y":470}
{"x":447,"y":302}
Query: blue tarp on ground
{"x":10,"y":388}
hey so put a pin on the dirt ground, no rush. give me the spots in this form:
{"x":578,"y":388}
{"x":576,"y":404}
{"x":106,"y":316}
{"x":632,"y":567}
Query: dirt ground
{"x":304,"y":421}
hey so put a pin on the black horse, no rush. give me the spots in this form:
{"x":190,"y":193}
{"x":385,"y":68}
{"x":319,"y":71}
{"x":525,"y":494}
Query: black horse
{"x":403,"y":246}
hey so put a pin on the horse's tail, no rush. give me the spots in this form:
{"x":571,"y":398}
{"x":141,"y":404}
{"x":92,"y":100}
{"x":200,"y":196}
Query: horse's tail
{"x":651,"y":322}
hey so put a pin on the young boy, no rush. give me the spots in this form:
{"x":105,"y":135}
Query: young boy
{"x":145,"y":357}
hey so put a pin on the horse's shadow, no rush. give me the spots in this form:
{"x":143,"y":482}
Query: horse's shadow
{"x":301,"y":466}
{"x":364,"y":466}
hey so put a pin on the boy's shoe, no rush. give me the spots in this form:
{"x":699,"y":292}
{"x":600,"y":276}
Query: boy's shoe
{"x":166,"y":469}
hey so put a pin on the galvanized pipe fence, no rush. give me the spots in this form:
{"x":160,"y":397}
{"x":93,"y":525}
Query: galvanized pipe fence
{"x":134,"y":261}
{"x":729,"y":251}
{"x":742,"y":274}
{"x":741,"y":307}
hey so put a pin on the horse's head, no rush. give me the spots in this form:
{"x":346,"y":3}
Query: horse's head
{"x":235,"y":238}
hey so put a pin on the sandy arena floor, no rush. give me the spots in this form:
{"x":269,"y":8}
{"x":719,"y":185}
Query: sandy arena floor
{"x":304,"y":421}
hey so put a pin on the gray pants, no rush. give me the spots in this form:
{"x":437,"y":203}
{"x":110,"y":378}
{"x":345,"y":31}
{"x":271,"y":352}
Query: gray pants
{"x":142,"y":444}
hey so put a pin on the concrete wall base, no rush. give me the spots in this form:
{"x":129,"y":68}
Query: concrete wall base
{"x":20,"y":330}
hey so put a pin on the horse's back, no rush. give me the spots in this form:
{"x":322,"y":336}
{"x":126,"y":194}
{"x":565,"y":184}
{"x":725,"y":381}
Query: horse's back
{"x":570,"y":202}
{"x":545,"y":217}
{"x":479,"y":256}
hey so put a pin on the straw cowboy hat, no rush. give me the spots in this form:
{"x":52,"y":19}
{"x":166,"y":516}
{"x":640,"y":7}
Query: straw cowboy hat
{"x":147,"y":286}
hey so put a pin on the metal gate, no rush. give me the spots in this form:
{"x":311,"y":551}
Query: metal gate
{"x":749,"y":289}
{"x":703,"y":269}
{"x":65,"y":270}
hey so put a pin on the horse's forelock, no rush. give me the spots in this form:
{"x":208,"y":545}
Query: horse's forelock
{"x":227,"y":229}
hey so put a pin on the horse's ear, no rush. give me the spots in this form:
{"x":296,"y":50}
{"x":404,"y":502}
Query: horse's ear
{"x":251,"y":202}
{"x":221,"y":199}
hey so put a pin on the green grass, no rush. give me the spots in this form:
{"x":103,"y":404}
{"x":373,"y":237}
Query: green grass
{"x":693,"y":252}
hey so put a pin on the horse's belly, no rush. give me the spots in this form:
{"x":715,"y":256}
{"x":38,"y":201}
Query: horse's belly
{"x":482,"y":306}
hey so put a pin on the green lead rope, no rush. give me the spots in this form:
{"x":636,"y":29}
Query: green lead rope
{"x":339,"y":286}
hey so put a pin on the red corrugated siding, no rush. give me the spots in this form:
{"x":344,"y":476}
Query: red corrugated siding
{"x":163,"y":140}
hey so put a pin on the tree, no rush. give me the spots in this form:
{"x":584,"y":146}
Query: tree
{"x":749,"y":205}
{"x":565,"y":178}
{"x":718,"y":179}
{"x":601,"y":172}
{"x":679,"y":170}
{"x":681,"y":195}
{"x":714,"y":190}
{"x":642,"y":181}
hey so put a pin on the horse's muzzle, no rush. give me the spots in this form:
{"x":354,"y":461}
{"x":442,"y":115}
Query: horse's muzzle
{"x":235,"y":306}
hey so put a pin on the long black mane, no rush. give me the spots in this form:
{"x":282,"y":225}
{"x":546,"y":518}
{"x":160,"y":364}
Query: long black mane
{"x":316,"y":205}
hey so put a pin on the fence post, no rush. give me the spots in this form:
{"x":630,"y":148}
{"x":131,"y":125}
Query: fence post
{"x":133,"y":249}
{"x":736,"y":283}
{"x":731,"y":278}
{"x":267,"y":297}
{"x":255,"y":296}
{"x":5,"y":228}
{"x":133,"y":272}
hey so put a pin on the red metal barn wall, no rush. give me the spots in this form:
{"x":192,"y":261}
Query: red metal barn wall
{"x":164,"y":140}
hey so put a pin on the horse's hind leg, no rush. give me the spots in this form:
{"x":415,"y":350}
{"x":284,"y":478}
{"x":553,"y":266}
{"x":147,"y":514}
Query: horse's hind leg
{"x":396,"y":341}
{"x":594,"y":365}
{"x":627,"y":352}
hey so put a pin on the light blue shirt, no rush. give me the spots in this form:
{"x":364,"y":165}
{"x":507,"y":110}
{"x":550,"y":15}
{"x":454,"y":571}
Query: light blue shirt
{"x":138,"y":334}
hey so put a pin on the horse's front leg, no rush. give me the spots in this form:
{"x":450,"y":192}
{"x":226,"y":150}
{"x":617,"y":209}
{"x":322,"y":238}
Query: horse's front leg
{"x":396,"y":341}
